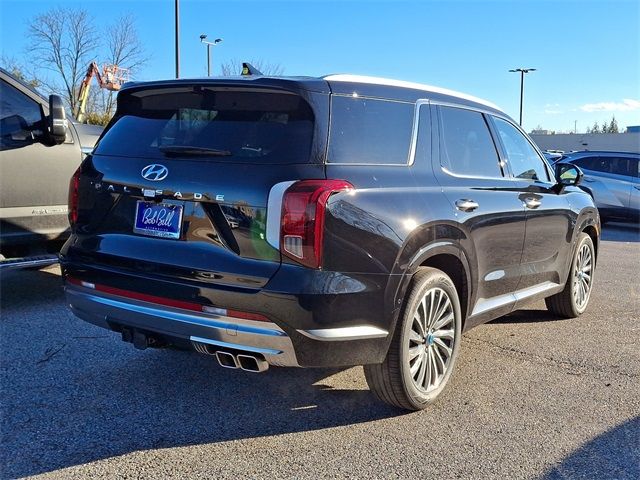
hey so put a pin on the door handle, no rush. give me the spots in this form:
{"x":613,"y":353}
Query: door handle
{"x":466,"y":205}
{"x":637,"y":187}
{"x":589,"y":179}
{"x":531,"y":202}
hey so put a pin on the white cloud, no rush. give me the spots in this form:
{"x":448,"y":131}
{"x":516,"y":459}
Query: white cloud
{"x":552,"y":109}
{"x":626,"y":105}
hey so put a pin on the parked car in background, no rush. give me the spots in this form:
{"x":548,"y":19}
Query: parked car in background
{"x":39,"y":151}
{"x":321,"y":222}
{"x":613,"y":180}
{"x":552,"y":157}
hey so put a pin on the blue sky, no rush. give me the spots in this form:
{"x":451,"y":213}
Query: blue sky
{"x":587,"y":53}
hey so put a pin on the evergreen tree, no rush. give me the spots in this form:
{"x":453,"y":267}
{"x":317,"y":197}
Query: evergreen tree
{"x":613,"y":126}
{"x":595,"y":128}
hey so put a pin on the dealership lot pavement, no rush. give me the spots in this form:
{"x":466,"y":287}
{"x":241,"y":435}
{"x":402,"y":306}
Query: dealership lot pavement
{"x":532,"y":397}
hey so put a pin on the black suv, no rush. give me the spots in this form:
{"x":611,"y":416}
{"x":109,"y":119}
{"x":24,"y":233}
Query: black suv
{"x":321,"y":222}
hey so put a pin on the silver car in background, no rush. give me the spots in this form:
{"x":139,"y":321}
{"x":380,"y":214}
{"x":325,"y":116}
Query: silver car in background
{"x":613,"y":180}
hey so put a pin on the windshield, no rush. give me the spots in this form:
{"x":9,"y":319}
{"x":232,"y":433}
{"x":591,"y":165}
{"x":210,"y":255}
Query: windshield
{"x":233,"y":126}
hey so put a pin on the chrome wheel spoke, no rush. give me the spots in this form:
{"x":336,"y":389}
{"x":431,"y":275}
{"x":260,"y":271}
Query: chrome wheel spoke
{"x":416,"y":365}
{"x":445,"y":320}
{"x":422,"y":372}
{"x":448,"y":334}
{"x":430,"y":317}
{"x":435,"y":373}
{"x":415,"y":337}
{"x":415,"y":351}
{"x":439,"y":343}
{"x":437,"y":355}
{"x":425,"y":314}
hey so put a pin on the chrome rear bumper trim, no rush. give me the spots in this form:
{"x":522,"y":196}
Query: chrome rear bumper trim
{"x":360,"y":332}
{"x":265,"y":338}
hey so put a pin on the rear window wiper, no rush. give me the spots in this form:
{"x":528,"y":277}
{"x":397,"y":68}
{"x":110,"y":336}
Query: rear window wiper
{"x":170,"y":150}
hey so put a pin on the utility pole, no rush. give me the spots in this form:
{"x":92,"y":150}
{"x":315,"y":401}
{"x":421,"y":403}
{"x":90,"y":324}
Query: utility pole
{"x":522,"y":72}
{"x":575,"y":126}
{"x":177,"y":16}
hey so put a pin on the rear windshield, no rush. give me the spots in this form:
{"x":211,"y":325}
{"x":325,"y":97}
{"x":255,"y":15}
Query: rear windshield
{"x":234,"y":126}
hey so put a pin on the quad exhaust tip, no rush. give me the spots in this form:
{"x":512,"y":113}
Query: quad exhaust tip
{"x":249,"y":363}
{"x":243,"y":361}
{"x":227,"y":360}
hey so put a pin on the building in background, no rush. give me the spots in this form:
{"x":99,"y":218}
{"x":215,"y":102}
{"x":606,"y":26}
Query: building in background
{"x":567,"y":142}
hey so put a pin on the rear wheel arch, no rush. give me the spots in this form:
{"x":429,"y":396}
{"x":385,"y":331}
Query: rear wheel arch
{"x":456,"y":268}
{"x":446,"y":256}
{"x":593,"y":233}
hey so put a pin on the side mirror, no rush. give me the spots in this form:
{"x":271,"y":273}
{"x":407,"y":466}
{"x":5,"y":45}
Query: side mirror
{"x":57,"y":121}
{"x":568,"y":174}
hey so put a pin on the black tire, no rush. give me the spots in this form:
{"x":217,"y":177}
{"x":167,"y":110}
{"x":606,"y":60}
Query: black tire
{"x":565,"y":304}
{"x":392,"y":381}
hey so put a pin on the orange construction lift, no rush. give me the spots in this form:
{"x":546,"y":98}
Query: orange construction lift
{"x":112,"y":77}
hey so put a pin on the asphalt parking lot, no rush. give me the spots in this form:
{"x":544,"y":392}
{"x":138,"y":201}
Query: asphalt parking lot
{"x":532,"y":397}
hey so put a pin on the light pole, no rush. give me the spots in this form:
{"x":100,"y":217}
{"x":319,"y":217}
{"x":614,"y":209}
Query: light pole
{"x":522,"y":72}
{"x":177,"y":20}
{"x":203,"y":38}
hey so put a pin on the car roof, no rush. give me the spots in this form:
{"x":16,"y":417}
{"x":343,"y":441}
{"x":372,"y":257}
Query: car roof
{"x":387,"y":82}
{"x":345,"y":84}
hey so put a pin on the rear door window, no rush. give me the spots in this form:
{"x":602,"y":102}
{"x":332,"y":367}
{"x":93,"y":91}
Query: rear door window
{"x":238,"y":126}
{"x":467,"y":148}
{"x":370,"y":131}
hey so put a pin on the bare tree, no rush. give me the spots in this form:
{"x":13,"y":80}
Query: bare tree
{"x":234,"y":67}
{"x":18,"y":70}
{"x":125,"y":50}
{"x":64,"y":41}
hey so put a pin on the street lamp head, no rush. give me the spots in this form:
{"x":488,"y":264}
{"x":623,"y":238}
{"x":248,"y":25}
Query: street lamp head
{"x":202,"y":37}
{"x":217,"y":40}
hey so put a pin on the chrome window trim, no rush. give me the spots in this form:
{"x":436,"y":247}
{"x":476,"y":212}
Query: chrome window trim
{"x":416,"y":127}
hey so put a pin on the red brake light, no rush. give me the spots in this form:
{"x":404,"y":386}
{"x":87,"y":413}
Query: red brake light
{"x":73,"y":197}
{"x":302,"y":224}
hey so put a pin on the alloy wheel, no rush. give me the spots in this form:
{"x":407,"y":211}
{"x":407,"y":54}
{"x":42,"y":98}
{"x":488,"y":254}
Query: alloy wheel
{"x":582,"y":277}
{"x":431,"y":339}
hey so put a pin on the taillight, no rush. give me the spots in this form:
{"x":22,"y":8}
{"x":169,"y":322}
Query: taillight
{"x":302,"y":223}
{"x":74,"y":185}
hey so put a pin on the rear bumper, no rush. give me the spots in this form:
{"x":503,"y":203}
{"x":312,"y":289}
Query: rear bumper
{"x":307,"y":330}
{"x":113,"y":312}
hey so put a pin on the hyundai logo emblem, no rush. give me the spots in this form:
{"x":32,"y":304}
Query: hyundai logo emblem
{"x":155,"y":172}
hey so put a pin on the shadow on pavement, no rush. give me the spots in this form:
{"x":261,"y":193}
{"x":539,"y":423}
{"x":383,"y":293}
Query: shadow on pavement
{"x":614,"y":454}
{"x":93,"y":397}
{"x":529,"y":316}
